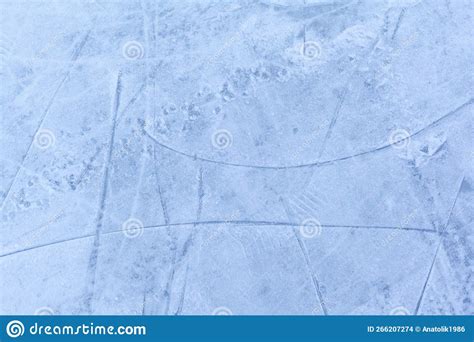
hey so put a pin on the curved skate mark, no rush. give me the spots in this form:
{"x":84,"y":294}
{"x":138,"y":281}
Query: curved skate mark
{"x":234,"y":223}
{"x":314,"y":164}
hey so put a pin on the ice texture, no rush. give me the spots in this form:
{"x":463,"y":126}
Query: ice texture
{"x":237,"y":157}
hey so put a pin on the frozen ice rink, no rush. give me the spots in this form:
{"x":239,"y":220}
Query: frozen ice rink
{"x":237,"y":157}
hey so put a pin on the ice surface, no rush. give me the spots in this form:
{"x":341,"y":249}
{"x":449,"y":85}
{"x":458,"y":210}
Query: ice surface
{"x":245,"y":157}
